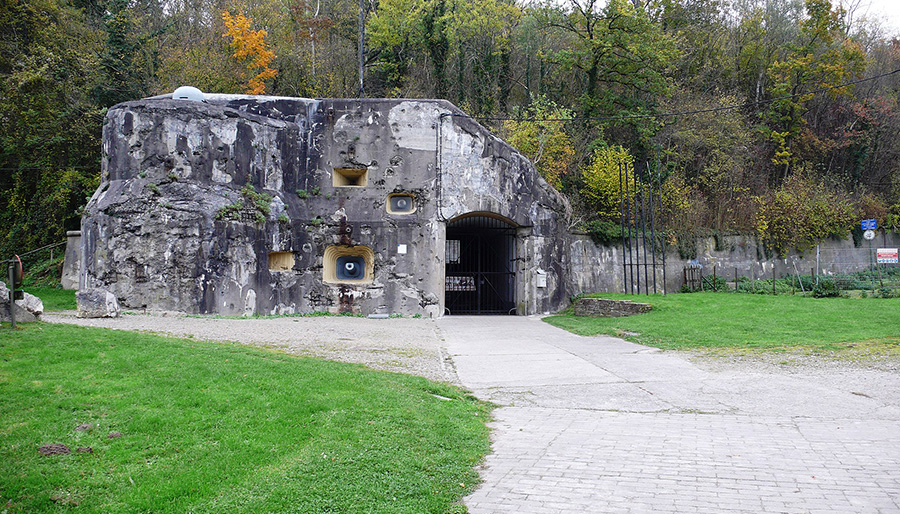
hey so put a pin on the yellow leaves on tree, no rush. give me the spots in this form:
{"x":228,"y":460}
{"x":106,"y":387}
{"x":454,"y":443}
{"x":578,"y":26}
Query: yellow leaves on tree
{"x":250,"y":46}
{"x":602,"y":180}
{"x":544,"y":141}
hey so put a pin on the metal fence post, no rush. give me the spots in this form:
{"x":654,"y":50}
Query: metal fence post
{"x":12,"y":294}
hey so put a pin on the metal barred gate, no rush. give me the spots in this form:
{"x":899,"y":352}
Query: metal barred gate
{"x":480,"y":266}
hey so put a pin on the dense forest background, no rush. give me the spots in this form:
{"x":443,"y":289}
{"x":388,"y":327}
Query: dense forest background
{"x":577,"y":85}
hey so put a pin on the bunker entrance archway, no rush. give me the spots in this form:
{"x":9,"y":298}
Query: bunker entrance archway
{"x":480,"y":265}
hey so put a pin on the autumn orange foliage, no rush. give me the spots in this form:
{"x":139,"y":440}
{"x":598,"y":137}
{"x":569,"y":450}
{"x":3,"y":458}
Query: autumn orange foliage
{"x":250,"y":46}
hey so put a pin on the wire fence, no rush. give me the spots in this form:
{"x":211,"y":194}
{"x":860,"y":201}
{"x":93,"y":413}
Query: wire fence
{"x":879,"y":281}
{"x":40,"y":260}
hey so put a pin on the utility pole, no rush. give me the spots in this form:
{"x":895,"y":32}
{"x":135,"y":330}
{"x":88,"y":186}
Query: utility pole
{"x":362,"y":33}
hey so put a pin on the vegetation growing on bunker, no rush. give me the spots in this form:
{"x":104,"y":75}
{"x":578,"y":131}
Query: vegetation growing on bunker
{"x":251,"y":206}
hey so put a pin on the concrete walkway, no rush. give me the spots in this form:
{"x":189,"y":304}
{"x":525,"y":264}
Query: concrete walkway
{"x":597,"y":424}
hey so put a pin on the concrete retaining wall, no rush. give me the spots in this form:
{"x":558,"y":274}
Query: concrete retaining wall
{"x":599,"y":268}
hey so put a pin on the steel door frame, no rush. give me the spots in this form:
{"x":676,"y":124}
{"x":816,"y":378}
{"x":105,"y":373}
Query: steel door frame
{"x":483,"y":281}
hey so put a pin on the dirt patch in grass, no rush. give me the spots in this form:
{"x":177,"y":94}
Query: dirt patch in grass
{"x":54,"y":449}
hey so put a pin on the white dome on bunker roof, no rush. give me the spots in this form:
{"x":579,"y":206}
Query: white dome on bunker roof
{"x":189,"y":93}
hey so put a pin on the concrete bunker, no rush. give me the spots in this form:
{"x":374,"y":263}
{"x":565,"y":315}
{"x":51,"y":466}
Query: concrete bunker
{"x":272,"y":205}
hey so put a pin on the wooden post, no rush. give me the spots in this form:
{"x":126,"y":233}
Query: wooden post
{"x":714,"y":279}
{"x":735,"y":280}
{"x":773,"y":279}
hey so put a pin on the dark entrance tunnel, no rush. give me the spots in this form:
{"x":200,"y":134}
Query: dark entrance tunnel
{"x":480,"y":266}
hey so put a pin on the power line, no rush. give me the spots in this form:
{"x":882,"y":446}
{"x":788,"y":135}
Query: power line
{"x":680,"y":113}
{"x":54,"y":245}
{"x":51,"y":168}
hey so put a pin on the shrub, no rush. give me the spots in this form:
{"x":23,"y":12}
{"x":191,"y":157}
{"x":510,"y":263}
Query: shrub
{"x":801,"y":213}
{"x":682,"y":212}
{"x":827,"y":288}
{"x":605,"y":232}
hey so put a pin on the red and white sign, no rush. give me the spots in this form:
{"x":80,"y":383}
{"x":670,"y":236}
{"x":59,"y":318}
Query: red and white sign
{"x":886,"y":256}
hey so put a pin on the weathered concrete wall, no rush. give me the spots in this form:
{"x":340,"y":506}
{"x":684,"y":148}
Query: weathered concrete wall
{"x":597,"y":268}
{"x":72,"y":263}
{"x":154,"y":233}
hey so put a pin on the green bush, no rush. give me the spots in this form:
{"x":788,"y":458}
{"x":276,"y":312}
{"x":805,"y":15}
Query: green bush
{"x":827,"y":288}
{"x":782,"y":286}
{"x":884,"y":292}
{"x":41,"y":273}
{"x":605,"y":232}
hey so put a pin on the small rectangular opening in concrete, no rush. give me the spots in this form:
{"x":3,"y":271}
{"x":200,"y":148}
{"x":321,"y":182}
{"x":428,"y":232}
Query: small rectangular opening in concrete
{"x":281,"y":261}
{"x":350,"y":177}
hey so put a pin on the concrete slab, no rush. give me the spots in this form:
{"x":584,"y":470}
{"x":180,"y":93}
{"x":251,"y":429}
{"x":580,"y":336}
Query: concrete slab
{"x":603,"y":425}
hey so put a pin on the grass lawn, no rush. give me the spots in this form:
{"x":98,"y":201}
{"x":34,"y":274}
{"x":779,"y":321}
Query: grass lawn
{"x":54,"y":298}
{"x":217,"y":428}
{"x":707,"y":320}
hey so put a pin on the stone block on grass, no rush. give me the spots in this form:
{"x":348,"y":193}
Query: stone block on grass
{"x":97,"y":303}
{"x":27,"y":310}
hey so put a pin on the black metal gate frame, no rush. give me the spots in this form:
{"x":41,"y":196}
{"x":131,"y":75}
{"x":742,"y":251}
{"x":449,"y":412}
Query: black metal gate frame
{"x":484,"y":279}
{"x":636,"y":191}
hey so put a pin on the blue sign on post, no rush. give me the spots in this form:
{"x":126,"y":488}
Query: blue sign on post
{"x":868,"y":224}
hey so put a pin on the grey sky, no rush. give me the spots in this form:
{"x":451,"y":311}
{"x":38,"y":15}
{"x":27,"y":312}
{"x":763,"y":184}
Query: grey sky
{"x":886,"y":11}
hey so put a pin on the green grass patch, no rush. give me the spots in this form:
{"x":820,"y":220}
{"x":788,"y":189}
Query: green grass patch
{"x":708,"y":320}
{"x":223,"y":428}
{"x":54,"y":298}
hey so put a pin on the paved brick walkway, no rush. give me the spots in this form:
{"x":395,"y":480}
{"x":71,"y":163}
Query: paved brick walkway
{"x":601,"y":425}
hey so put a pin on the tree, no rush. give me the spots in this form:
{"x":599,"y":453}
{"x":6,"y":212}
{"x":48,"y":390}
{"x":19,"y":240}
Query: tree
{"x":420,"y":44}
{"x":49,"y":143}
{"x":127,"y":62}
{"x":620,"y":53}
{"x":801,"y":213}
{"x":250,"y":47}
{"x":823,"y":57}
{"x":542,"y":137}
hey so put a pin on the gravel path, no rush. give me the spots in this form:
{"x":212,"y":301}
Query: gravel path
{"x":403,"y":345}
{"x":417,"y":346}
